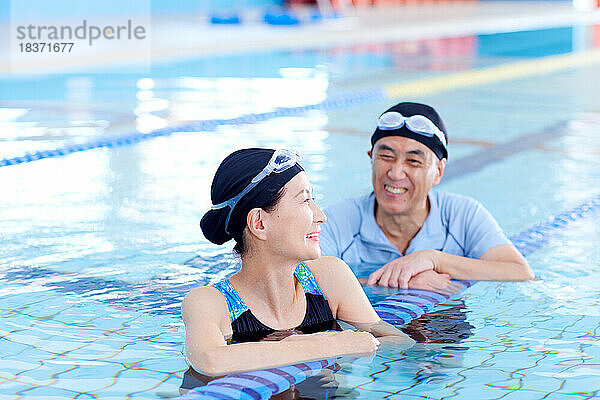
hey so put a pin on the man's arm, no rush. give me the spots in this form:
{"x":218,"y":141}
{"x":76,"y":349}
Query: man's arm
{"x":489,"y":254}
{"x":500,"y":263}
{"x":430,"y":280}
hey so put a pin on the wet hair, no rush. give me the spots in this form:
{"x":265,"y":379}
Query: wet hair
{"x":241,"y":245}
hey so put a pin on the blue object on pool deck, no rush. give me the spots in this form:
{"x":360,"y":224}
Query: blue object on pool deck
{"x":281,"y":17}
{"x":225,"y":19}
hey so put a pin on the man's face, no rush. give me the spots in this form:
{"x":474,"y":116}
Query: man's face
{"x":404,"y":171}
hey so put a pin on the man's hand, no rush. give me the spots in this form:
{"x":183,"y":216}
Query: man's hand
{"x":434,"y":282}
{"x":398,"y":272}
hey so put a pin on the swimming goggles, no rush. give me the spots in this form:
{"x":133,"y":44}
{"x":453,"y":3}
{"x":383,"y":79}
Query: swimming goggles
{"x":281,"y":160}
{"x":416,"y":123}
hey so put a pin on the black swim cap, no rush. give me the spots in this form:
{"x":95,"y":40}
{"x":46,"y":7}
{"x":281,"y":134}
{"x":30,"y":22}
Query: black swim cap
{"x":409,"y":109}
{"x":233,"y":175}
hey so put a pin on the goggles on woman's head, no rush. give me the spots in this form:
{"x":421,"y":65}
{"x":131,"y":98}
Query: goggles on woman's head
{"x":416,"y":123}
{"x":281,"y":160}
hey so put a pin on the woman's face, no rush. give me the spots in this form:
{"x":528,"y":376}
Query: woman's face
{"x":293,"y":227}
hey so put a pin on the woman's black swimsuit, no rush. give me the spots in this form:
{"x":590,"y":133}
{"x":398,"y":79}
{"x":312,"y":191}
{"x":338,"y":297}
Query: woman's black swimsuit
{"x":247,"y":328}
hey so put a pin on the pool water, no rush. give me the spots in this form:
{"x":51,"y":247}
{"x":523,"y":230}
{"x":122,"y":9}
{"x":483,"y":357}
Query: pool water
{"x":96,"y":245}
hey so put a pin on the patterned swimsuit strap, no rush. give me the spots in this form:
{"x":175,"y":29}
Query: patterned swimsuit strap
{"x":235,"y":304}
{"x":307,"y":280}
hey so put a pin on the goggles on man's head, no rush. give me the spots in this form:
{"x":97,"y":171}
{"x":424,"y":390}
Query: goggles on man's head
{"x":281,"y":160}
{"x":416,"y":123}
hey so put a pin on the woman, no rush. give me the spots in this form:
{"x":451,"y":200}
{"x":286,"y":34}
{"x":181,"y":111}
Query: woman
{"x":262,"y":199}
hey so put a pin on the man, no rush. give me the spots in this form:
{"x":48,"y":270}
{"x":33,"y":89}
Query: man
{"x":422,"y":238}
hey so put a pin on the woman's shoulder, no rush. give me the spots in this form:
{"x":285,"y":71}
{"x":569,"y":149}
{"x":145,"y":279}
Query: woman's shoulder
{"x":202,"y":293}
{"x":336,"y":280}
{"x":203,"y":300}
{"x":330,"y":271}
{"x":327,"y":265}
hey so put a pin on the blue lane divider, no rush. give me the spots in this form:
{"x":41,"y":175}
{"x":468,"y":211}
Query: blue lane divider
{"x":537,"y":236}
{"x":398,"y":309}
{"x":335,"y":102}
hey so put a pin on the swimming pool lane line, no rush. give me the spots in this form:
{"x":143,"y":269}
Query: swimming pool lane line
{"x":333,"y":103}
{"x":408,"y":304}
{"x":537,"y":236}
{"x":417,"y":88}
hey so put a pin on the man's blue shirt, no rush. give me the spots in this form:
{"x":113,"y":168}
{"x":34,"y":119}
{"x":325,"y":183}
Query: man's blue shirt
{"x":456,"y":225}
